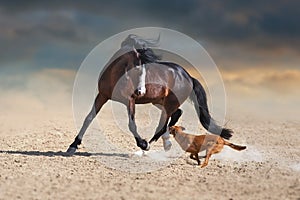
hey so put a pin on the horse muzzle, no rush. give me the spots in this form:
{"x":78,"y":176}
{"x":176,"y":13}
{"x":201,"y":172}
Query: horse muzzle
{"x":141,"y":91}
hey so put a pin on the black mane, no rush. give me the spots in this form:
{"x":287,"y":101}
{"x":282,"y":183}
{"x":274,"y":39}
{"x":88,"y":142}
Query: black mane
{"x":148,"y":56}
{"x":142,"y":46}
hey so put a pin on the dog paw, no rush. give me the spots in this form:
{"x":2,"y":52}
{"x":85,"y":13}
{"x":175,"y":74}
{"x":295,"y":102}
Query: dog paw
{"x":203,"y":165}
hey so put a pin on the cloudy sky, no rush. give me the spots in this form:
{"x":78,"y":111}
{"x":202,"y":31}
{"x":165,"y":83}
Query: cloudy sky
{"x":255,"y":44}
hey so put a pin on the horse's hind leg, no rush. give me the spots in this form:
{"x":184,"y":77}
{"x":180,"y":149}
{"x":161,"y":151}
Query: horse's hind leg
{"x":175,"y":117}
{"x":166,"y":136}
{"x":143,"y":144}
{"x":169,"y":109}
{"x":162,"y":126}
{"x":99,"y":102}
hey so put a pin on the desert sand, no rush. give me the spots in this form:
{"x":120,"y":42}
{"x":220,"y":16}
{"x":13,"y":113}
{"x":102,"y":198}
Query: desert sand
{"x":34,"y":165}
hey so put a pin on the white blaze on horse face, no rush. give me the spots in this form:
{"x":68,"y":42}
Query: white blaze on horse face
{"x":126,"y":74}
{"x":142,"y":81}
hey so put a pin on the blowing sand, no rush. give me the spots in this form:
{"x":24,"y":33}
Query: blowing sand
{"x":34,"y":166}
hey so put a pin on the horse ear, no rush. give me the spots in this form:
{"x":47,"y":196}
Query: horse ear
{"x":136,"y":52}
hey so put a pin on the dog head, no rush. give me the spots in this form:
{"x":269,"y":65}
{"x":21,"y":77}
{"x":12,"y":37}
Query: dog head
{"x":175,"y":129}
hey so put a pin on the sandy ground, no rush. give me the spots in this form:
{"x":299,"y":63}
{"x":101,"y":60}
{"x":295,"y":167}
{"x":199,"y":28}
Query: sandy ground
{"x":34,"y":166}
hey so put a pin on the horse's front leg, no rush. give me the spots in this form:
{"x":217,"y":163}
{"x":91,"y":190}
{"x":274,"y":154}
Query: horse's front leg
{"x":143,"y":144}
{"x":98,"y":103}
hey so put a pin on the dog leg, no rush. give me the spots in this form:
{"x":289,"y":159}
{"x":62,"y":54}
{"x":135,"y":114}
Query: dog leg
{"x":213,"y":150}
{"x":197,"y":158}
{"x":207,"y":156}
{"x":192,"y":156}
{"x":205,"y":161}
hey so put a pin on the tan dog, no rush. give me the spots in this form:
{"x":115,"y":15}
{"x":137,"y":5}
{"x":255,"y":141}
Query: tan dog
{"x":197,"y":143}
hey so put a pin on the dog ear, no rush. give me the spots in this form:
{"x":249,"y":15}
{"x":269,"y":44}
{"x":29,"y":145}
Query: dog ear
{"x":182,"y":128}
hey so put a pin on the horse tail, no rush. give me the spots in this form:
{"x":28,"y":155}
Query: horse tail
{"x":200,"y":103}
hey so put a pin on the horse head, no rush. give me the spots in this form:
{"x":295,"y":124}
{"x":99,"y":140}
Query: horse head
{"x":140,"y":54}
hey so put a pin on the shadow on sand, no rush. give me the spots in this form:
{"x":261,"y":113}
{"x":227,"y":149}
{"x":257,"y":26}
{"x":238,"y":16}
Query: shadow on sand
{"x":61,"y":153}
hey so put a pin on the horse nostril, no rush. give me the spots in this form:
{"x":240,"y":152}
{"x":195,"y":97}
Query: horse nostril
{"x":138,"y":91}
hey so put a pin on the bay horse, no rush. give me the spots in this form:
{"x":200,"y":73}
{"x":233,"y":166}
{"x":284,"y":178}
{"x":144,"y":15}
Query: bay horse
{"x":136,"y":75}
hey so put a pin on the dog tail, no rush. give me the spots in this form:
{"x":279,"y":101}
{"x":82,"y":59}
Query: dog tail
{"x":200,"y":103}
{"x":234,"y":146}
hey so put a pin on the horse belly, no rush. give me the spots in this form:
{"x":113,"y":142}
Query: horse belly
{"x":145,"y":100}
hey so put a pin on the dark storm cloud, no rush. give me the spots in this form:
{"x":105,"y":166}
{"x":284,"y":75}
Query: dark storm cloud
{"x":214,"y":19}
{"x":67,"y":30}
{"x":258,"y":24}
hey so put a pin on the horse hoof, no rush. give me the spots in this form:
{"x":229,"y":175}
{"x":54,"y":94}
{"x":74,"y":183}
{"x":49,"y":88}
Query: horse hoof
{"x":167,"y":145}
{"x":144,"y":145}
{"x":148,"y":147}
{"x":71,"y":151}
